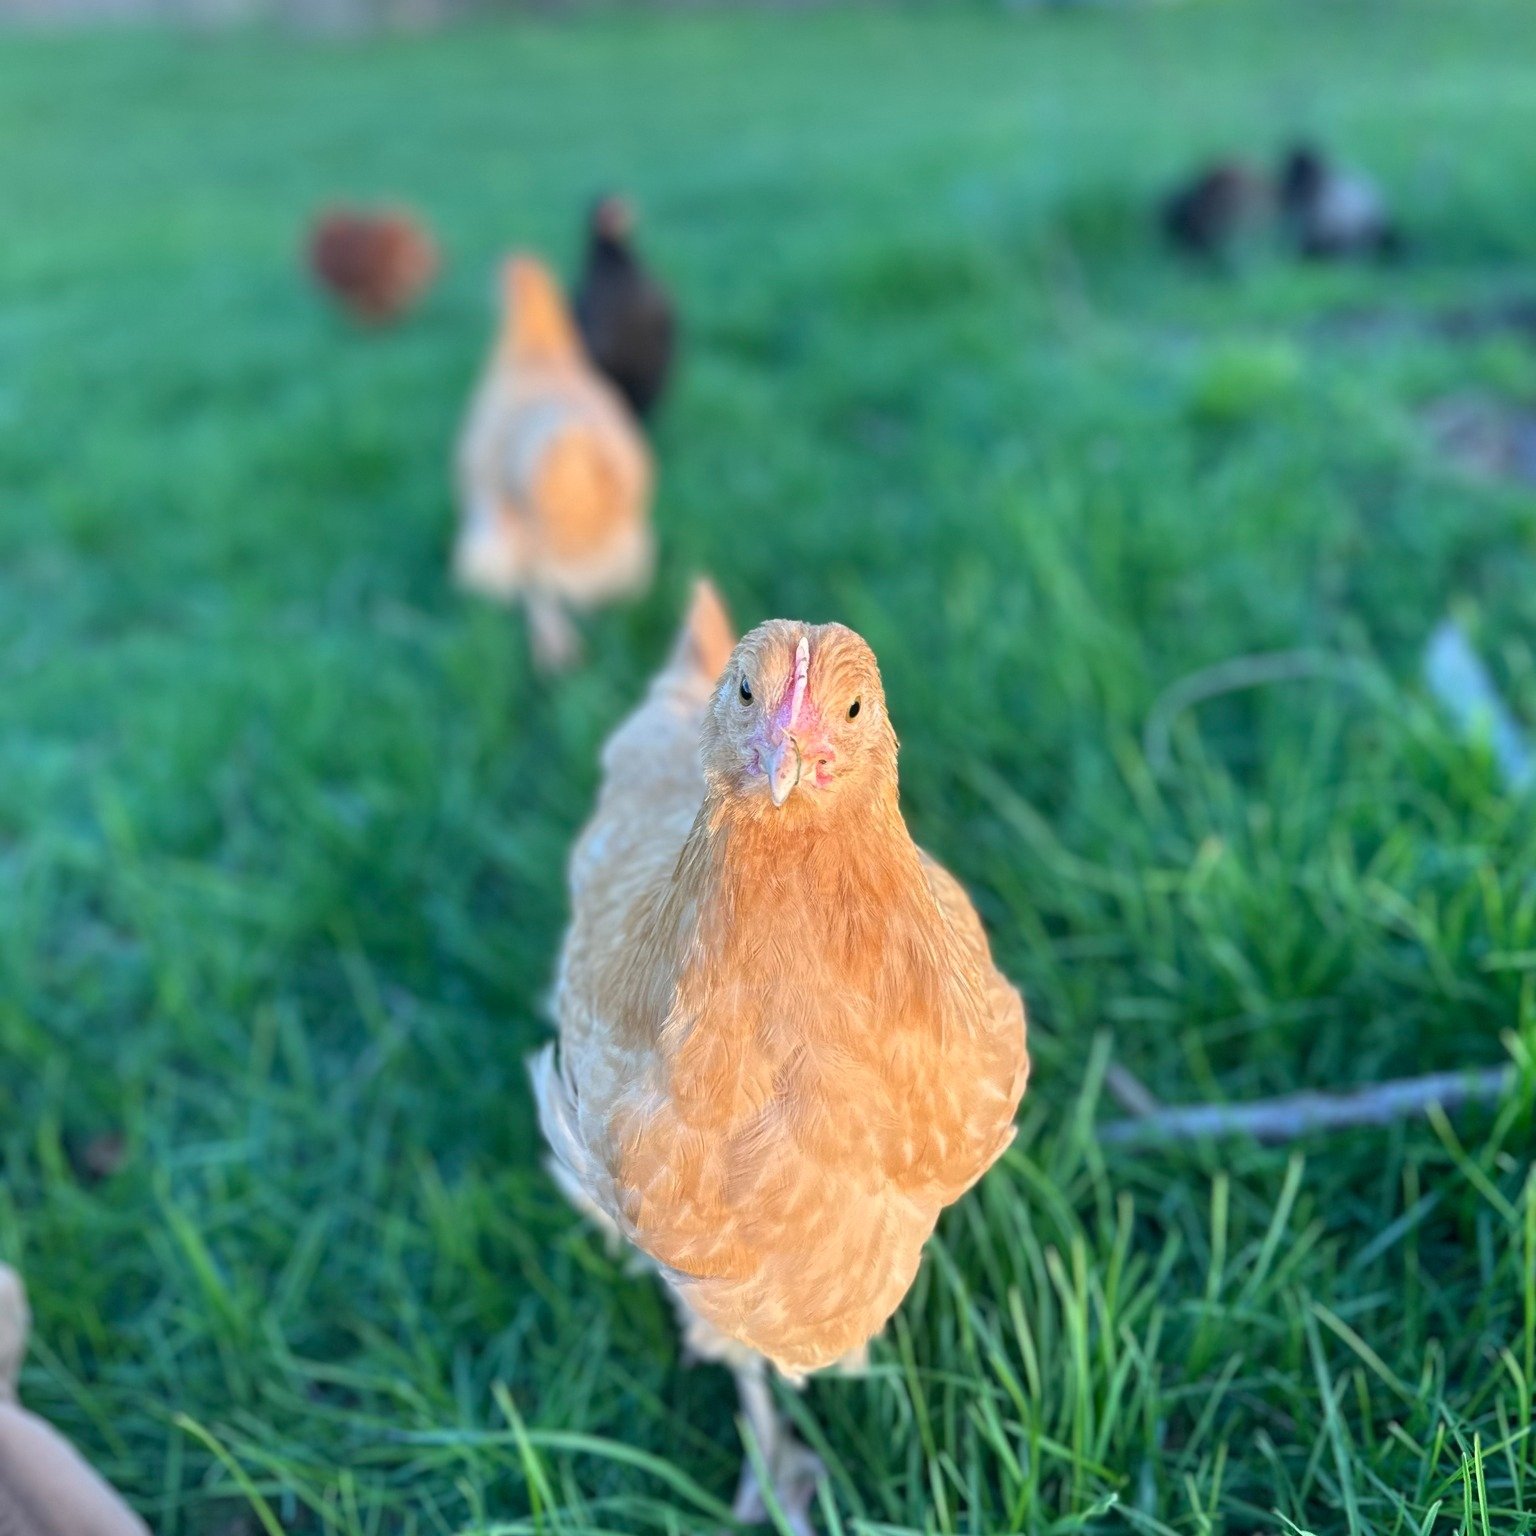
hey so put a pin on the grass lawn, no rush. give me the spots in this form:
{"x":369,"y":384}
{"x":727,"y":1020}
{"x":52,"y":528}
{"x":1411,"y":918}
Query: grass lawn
{"x":283,"y":818}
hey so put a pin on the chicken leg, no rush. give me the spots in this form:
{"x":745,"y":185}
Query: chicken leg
{"x":794,"y":1470}
{"x":555,"y":640}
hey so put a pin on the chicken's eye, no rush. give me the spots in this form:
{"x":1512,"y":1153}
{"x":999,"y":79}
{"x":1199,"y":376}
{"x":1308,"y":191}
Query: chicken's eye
{"x":853,"y":710}
{"x":746,"y":691}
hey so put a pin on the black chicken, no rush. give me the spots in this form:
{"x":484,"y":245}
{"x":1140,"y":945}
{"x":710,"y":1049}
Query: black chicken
{"x":624,"y":314}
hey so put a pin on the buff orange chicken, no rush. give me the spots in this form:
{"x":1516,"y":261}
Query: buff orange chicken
{"x":554,"y":478}
{"x":783,"y":1047}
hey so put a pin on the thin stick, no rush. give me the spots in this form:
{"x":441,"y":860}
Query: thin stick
{"x":1300,"y":1114}
{"x":1129,"y":1092}
{"x":1235,"y":675}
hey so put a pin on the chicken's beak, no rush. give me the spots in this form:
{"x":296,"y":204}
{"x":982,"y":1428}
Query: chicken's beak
{"x":783,"y":768}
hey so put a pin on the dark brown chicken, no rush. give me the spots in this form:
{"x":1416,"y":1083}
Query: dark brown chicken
{"x":1205,"y":216}
{"x":375,"y":264}
{"x":624,"y":314}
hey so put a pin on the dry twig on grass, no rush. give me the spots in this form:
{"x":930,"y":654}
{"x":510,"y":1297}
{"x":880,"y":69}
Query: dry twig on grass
{"x":1301,"y":1114}
{"x":1129,"y":1092}
{"x":1236,"y":675}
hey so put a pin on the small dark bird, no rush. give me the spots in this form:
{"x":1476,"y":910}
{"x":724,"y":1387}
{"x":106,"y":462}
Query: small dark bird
{"x":1331,"y":211}
{"x":375,"y":264}
{"x":624,"y":314}
{"x":1206,"y":215}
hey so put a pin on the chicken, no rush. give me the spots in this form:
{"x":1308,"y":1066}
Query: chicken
{"x":1331,"y":211}
{"x":45,"y":1488}
{"x":554,"y":478}
{"x":624,"y":313}
{"x":377,"y":265}
{"x":1207,"y":215}
{"x":783,"y":1045}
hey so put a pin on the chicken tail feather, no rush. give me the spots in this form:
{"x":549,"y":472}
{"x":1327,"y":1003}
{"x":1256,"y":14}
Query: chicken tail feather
{"x":706,"y":640}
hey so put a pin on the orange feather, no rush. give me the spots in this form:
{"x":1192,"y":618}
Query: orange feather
{"x":784,"y":1047}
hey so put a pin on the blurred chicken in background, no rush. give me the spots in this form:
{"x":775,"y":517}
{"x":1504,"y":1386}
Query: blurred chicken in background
{"x":376,"y":265}
{"x":554,"y":477}
{"x":45,"y":1488}
{"x":625,"y":314}
{"x":784,"y":1046}
{"x":1209,"y":214}
{"x":1331,"y":211}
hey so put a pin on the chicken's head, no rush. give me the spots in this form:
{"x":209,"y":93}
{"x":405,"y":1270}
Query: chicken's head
{"x":613,"y":219}
{"x":798,"y":718}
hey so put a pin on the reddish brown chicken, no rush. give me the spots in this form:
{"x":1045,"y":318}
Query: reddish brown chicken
{"x":45,"y":1488}
{"x":784,"y":1046}
{"x":375,"y":264}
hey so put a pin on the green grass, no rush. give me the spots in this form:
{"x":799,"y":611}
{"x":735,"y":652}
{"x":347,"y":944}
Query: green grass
{"x":283,"y":819}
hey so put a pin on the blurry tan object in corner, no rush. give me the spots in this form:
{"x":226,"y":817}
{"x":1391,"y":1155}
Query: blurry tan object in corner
{"x":376,"y":264}
{"x":45,"y":1488}
{"x":553,"y":476}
